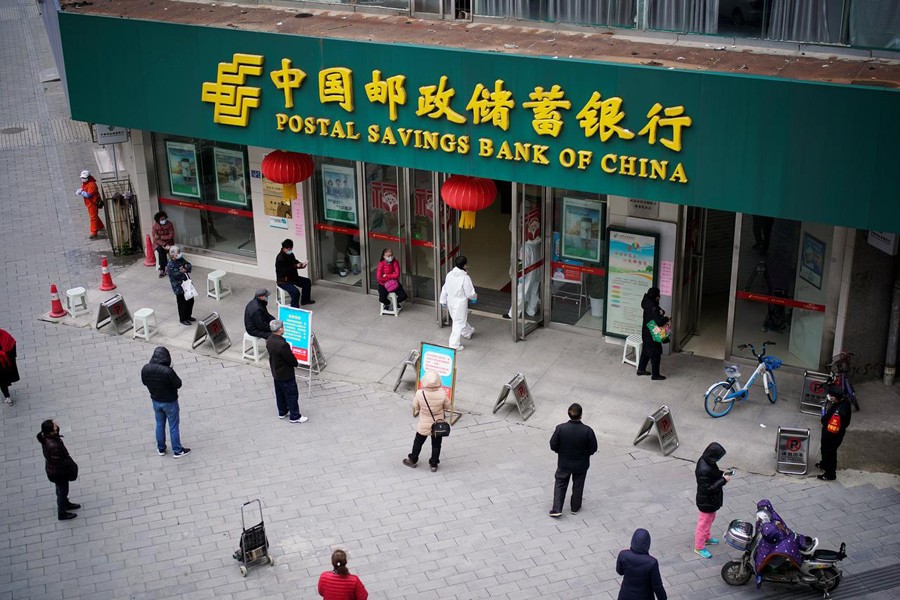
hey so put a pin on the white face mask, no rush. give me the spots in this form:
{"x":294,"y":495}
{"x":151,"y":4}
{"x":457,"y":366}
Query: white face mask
{"x":389,"y":258}
{"x":163,"y":221}
{"x":180,"y":255}
{"x":288,"y":251}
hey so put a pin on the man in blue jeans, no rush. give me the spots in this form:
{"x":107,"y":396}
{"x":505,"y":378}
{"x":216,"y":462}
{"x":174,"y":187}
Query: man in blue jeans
{"x":163,"y":384}
{"x":288,"y":277}
{"x":282,"y":362}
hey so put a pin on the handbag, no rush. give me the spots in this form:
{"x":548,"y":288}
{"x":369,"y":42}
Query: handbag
{"x":659,"y":334}
{"x":188,"y":286}
{"x":72,"y":470}
{"x":99,"y":203}
{"x":440,"y":428}
{"x":391,"y":285}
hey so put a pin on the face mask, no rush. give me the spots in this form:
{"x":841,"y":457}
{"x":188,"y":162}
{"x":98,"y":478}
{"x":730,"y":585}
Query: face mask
{"x":288,"y":251}
{"x":163,"y":221}
{"x":180,"y":255}
{"x":389,"y":258}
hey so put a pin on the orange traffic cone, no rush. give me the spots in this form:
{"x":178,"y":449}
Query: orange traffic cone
{"x":56,"y":307}
{"x":150,"y":258}
{"x":106,"y":283}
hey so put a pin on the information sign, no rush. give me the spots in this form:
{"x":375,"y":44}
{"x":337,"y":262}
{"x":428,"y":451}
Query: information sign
{"x":211,"y":328}
{"x":110,"y":134}
{"x":317,"y":360}
{"x":791,"y":448}
{"x":297,"y":331}
{"x":812,"y":396}
{"x":115,"y":311}
{"x":441,"y":360}
{"x":631,"y":270}
{"x":665,"y":430}
{"x":522,"y":394}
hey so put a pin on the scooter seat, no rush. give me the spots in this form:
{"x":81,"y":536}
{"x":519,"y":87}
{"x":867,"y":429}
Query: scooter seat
{"x":827,"y":555}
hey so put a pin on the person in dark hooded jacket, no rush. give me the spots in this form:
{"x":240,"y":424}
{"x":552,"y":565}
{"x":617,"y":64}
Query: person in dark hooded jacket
{"x":163,"y":384}
{"x":651,"y":350}
{"x":835,"y":420}
{"x":60,"y":467}
{"x":257,"y":316}
{"x":710,"y":481}
{"x":639,"y":570}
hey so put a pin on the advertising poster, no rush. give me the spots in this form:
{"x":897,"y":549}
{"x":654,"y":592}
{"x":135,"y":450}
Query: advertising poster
{"x":441,"y":360}
{"x":230,"y":186}
{"x":297,"y":331}
{"x":582,"y":225}
{"x":339,"y":189}
{"x":631,"y":271}
{"x":273,"y":202}
{"x":812,"y":260}
{"x":182,"y":159}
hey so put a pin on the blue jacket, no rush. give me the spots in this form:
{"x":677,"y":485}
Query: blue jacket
{"x":639,"y":570}
{"x":173,"y":270}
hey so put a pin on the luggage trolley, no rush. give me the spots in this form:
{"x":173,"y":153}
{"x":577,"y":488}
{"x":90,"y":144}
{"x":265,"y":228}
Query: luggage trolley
{"x":254,"y":543}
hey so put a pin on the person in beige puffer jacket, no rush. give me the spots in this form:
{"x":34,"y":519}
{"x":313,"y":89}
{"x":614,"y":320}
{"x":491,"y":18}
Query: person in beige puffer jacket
{"x":431,"y":396}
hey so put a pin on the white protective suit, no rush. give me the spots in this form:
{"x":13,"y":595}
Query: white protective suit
{"x":529,"y":285}
{"x":455,"y":295}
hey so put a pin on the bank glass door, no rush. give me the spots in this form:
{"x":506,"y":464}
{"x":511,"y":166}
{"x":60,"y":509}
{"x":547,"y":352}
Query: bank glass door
{"x":336,"y":190}
{"x":422,"y":202}
{"x":446,"y":248}
{"x":527,"y":274}
{"x":386,"y":216}
{"x":687,"y":316}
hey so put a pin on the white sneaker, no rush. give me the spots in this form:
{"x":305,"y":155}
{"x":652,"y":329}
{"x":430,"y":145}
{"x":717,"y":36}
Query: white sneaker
{"x":458,"y":348}
{"x":300,"y":420}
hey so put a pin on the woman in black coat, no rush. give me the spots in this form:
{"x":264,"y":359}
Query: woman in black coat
{"x":639,"y":570}
{"x":833,"y":429}
{"x":60,"y":467}
{"x":651,"y":351}
{"x":710,"y":481}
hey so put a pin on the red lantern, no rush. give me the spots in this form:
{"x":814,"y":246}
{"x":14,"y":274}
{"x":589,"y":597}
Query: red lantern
{"x":468,"y":194}
{"x":288,"y":169}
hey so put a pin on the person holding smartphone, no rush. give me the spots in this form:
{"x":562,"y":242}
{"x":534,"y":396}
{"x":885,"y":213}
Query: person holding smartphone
{"x":710,"y":481}
{"x":288,"y":278}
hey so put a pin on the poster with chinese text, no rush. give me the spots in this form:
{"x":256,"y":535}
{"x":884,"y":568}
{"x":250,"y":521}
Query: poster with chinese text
{"x":631,"y":271}
{"x":297,"y":331}
{"x":230,"y":186}
{"x":182,"y":160}
{"x":339,"y":191}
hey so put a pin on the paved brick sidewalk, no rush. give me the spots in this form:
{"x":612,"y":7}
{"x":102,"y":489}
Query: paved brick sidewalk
{"x":154,"y":528}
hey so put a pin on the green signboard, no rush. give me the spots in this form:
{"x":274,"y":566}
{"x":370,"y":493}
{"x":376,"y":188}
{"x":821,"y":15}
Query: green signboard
{"x":785,"y":148}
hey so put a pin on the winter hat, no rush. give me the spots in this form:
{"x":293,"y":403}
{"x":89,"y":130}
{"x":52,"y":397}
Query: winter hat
{"x":431,"y":381}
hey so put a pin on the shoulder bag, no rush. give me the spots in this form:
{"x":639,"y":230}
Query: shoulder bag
{"x":188,"y":286}
{"x":440,"y":427}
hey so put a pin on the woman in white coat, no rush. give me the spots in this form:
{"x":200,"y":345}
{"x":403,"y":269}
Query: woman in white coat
{"x":455,"y":296}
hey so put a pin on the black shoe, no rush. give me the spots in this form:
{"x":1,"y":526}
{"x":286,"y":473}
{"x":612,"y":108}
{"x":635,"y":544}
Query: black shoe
{"x":505,"y":316}
{"x":409,"y":463}
{"x":639,"y":373}
{"x":823,"y":477}
{"x":192,"y":319}
{"x":72,"y":506}
{"x":575,"y":511}
{"x":186,"y":322}
{"x":306,"y":303}
{"x":658,"y":378}
{"x":90,"y":237}
{"x":184,"y":452}
{"x":162,"y":274}
{"x":433,"y":468}
{"x":555,"y":513}
{"x":65,"y":516}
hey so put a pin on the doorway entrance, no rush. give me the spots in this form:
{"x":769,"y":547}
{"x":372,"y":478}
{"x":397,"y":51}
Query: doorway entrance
{"x":706,"y":267}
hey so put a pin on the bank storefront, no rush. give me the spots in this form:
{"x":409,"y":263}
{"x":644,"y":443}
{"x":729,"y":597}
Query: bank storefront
{"x":736,"y":195}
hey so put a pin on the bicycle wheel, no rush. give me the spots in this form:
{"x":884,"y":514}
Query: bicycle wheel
{"x":772,"y":392}
{"x":713,"y":400}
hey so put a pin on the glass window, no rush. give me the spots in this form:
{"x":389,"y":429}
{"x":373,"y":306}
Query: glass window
{"x":337,"y":221}
{"x":783,"y":270}
{"x":204,"y":189}
{"x":578,"y":276}
{"x":617,"y":13}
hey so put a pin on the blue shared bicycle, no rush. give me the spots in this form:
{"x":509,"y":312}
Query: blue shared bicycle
{"x":721,"y":397}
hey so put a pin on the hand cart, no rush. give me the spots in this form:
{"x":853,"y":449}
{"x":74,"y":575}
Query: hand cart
{"x":254,"y":543}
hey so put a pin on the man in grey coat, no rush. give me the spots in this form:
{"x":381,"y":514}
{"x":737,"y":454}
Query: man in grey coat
{"x":282,"y":362}
{"x":574,"y":442}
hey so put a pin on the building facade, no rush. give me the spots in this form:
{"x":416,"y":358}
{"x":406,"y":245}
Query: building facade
{"x":760,"y":202}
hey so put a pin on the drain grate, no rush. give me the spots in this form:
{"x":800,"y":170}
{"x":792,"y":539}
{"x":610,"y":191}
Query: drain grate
{"x":12,"y":130}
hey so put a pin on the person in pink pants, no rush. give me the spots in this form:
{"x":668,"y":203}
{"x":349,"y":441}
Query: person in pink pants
{"x":710,"y":481}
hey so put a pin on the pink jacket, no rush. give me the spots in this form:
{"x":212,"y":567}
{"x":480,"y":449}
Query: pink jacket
{"x":387,"y":270}
{"x":437,"y":400}
{"x":163,"y":235}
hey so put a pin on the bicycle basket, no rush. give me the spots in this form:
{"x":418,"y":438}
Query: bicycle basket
{"x":771,"y":362}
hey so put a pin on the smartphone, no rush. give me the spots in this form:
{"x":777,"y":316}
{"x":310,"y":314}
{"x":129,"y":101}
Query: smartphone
{"x":730,"y":472}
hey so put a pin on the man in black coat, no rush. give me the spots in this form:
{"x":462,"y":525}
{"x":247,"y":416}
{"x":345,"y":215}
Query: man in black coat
{"x":257,"y":317}
{"x":651,"y":350}
{"x":60,"y":468}
{"x":835,"y":420}
{"x":639,"y":570}
{"x":287,"y":277}
{"x":162,"y":383}
{"x":574,"y":442}
{"x":282,"y":362}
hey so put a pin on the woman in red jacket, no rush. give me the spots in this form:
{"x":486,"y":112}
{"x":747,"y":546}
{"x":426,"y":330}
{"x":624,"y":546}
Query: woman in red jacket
{"x":339,"y":584}
{"x":388,"y":277}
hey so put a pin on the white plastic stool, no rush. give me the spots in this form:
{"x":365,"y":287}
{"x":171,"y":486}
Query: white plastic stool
{"x":76,"y":301}
{"x":250,"y":347}
{"x":633,"y":341}
{"x":283,"y":297}
{"x":215,"y":285}
{"x":394,"y":310}
{"x":142,"y":324}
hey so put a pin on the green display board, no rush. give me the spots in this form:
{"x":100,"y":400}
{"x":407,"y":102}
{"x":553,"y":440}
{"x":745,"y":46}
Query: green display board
{"x":798,"y":150}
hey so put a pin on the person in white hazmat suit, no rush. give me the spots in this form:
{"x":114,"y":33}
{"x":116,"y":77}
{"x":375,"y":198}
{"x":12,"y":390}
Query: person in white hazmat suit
{"x":455,"y":296}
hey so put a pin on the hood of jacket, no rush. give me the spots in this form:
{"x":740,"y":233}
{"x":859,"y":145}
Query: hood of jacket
{"x":456,"y":273}
{"x":648,"y":301}
{"x":713,"y":453}
{"x":161,"y":356}
{"x":640,"y":541}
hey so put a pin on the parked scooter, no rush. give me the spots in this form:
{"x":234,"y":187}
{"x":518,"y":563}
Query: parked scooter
{"x":772,"y":552}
